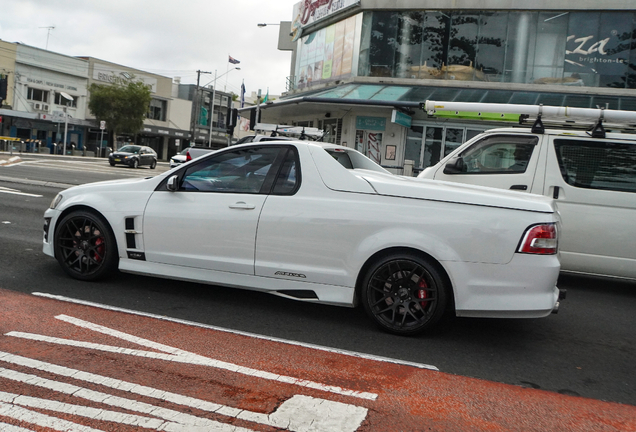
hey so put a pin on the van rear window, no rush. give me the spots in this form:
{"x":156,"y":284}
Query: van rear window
{"x":597,"y":164}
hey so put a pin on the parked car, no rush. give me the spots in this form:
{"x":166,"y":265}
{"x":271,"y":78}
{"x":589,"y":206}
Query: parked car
{"x":179,"y":158}
{"x":319,"y":223}
{"x":592,"y":180}
{"x":134,"y":156}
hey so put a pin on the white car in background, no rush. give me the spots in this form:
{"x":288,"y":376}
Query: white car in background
{"x":179,"y":158}
{"x":319,"y":223}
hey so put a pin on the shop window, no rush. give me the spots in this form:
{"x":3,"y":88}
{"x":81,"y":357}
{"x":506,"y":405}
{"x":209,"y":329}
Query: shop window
{"x":60,"y":100}
{"x":37,"y":95}
{"x":157,"y":110}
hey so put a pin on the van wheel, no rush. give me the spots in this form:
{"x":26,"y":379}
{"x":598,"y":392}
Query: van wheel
{"x":404,"y":294}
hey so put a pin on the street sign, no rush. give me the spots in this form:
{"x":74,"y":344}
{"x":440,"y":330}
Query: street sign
{"x":102,"y":125}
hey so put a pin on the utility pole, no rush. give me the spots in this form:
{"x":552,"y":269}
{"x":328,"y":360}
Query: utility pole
{"x":195,"y":106}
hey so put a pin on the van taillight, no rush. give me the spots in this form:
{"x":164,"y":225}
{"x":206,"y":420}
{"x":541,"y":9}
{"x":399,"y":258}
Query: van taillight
{"x":188,"y":157}
{"x":539,"y":239}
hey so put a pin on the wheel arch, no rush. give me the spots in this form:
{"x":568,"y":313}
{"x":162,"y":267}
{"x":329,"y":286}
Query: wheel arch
{"x":80,"y":207}
{"x":404,"y":250}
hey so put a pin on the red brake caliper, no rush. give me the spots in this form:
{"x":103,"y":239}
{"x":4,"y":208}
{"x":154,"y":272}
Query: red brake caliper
{"x":99,"y":251}
{"x":422,"y":293}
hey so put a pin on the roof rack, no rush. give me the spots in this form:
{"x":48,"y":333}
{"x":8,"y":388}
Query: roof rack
{"x":301,"y":131}
{"x":591,"y":118}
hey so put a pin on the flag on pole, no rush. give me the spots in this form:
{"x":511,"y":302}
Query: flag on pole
{"x":242,"y":94}
{"x":266,"y":96}
{"x":233,"y":60}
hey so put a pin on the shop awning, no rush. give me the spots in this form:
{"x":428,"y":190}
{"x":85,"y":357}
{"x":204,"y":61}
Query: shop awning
{"x":409,"y":97}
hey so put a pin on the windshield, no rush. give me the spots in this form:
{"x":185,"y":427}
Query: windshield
{"x":129,"y":149}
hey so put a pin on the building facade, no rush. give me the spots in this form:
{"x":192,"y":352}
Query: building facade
{"x":47,"y":99}
{"x":361,"y":68}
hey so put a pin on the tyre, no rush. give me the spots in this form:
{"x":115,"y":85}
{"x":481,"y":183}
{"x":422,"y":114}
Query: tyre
{"x":153,"y":165}
{"x":134,"y":163}
{"x":85,"y":246}
{"x":112,"y":163}
{"x":404,"y":294}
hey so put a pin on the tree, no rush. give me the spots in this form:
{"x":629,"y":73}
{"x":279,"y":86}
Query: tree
{"x":122,"y":106}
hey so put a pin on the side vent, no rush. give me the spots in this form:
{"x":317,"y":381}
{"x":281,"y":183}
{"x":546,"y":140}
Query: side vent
{"x":130,"y":236}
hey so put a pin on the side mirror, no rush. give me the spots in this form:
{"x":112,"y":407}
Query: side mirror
{"x":455,"y":166}
{"x":173,"y":183}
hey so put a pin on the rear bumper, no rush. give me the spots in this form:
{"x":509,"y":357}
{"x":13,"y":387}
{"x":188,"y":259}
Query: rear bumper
{"x":523,"y":288}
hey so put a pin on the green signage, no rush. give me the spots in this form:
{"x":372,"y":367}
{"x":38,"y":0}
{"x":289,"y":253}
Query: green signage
{"x":370,"y":123}
{"x":400,"y":118}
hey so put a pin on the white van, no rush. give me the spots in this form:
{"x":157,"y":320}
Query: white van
{"x":592,"y":180}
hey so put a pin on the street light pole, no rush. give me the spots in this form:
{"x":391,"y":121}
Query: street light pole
{"x":195,"y":107}
{"x":213,"y":100}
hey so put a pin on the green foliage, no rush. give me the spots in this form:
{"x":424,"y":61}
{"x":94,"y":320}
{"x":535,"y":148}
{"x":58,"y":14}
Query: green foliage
{"x":122,"y":106}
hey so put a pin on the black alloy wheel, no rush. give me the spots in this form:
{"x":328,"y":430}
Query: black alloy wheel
{"x":134,"y":163}
{"x":404,"y":294}
{"x":153,"y":165}
{"x":85,"y":246}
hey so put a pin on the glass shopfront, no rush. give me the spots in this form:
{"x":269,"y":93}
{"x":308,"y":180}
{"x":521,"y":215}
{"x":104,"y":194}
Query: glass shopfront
{"x":592,"y":49}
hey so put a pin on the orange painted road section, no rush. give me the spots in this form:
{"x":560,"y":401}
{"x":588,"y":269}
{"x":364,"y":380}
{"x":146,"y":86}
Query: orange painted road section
{"x":66,"y":366}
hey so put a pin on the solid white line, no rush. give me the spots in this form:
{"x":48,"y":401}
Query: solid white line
{"x":28,"y":416}
{"x":237,"y":332}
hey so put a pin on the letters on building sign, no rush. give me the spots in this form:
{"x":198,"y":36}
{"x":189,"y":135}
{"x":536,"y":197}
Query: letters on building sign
{"x":313,"y":10}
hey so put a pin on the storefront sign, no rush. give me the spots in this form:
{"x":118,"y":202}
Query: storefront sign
{"x":154,"y":130}
{"x":308,"y":12}
{"x":598,"y":43}
{"x":104,"y":73}
{"x":370,"y":123}
{"x":400,"y":118}
{"x":51,"y":84}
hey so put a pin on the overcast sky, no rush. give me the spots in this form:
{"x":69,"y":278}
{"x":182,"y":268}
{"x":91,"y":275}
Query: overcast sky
{"x":166,"y":37}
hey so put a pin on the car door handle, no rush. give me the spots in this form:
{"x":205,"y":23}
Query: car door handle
{"x":242,"y":206}
{"x":519,"y":187}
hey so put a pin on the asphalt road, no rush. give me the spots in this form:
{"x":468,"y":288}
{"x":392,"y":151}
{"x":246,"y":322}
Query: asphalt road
{"x":588,"y":349}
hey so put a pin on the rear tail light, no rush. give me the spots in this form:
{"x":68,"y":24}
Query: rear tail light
{"x":188,"y":157}
{"x":540,"y":239}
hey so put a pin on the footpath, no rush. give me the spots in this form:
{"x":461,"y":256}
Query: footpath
{"x":71,"y":365}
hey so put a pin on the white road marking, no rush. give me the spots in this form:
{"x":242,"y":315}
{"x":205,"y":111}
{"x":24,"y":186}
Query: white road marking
{"x":5,"y":427}
{"x":17,"y":192}
{"x":178,"y":355}
{"x":181,"y":419}
{"x":299,"y":413}
{"x":251,"y":335}
{"x":82,"y":411}
{"x":43,"y":420}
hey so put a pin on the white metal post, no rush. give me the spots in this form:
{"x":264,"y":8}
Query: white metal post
{"x":65,"y":127}
{"x":212,"y":109}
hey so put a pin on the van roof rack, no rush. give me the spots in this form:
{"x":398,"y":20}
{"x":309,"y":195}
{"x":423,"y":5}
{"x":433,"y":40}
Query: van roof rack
{"x":595,"y":120}
{"x":301,"y":132}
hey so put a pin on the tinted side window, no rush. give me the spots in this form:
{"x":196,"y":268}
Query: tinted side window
{"x":288,"y":179}
{"x":499,"y":155}
{"x":597,"y":164}
{"x":240,"y":171}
